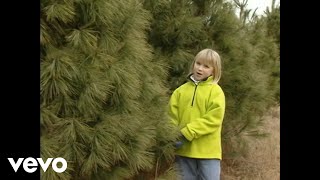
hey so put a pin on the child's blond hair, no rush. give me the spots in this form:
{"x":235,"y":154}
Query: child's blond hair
{"x":212,"y":58}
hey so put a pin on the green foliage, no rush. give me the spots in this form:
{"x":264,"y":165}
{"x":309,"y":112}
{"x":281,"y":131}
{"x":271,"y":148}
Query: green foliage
{"x":108,"y":68}
{"x":273,"y":23}
{"x":272,"y":19}
{"x":249,"y":63}
{"x":249,"y":56}
{"x":102,"y":93}
{"x":174,"y":33}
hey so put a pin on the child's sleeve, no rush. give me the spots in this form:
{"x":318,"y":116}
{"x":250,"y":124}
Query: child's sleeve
{"x":173,"y":108}
{"x":211,"y":120}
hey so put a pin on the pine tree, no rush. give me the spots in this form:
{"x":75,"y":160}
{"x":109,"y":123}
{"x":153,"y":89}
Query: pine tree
{"x":248,"y":57}
{"x":104,"y":89}
{"x":175,"y":35}
{"x":103,"y":98}
{"x":249,"y":63}
{"x":273,"y":32}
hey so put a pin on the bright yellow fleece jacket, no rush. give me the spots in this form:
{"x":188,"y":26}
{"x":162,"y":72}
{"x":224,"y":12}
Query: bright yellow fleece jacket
{"x":198,"y":109}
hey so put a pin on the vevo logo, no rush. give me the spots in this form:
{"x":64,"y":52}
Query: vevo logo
{"x":30,"y":163}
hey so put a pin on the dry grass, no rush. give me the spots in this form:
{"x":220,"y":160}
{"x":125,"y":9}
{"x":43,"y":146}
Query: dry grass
{"x":263,"y":159}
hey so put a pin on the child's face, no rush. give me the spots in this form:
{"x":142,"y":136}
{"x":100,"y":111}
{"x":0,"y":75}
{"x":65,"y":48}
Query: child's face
{"x":201,"y":70}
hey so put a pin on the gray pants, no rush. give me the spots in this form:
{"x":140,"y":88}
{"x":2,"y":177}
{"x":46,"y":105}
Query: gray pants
{"x":198,"y":169}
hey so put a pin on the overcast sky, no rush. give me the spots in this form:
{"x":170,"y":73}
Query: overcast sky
{"x":260,"y":4}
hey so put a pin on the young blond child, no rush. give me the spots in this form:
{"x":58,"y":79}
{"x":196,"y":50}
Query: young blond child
{"x":197,"y":108}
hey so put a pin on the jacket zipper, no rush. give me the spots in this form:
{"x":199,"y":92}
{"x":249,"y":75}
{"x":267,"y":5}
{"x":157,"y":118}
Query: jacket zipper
{"x":194,"y":93}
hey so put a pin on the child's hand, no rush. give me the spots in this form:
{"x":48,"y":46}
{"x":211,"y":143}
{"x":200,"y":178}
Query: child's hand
{"x":180,"y":141}
{"x":178,"y":144}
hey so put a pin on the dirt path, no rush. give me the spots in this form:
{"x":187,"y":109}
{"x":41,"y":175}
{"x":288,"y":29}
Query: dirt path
{"x":263,"y":160}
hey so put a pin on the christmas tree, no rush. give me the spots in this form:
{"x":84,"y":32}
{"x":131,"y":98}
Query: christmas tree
{"x":103,"y":98}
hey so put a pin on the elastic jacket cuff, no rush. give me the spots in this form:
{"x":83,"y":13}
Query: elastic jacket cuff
{"x":186,"y":133}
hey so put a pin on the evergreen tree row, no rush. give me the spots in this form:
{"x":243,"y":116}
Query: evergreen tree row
{"x":109,"y":67}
